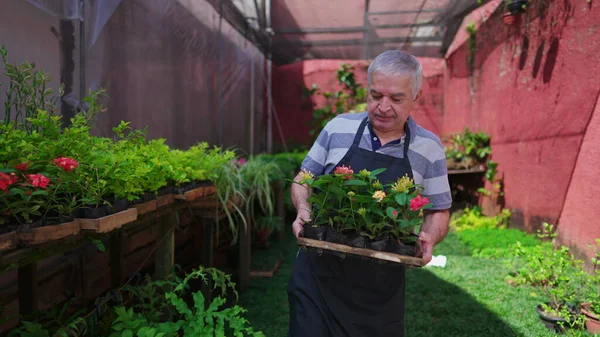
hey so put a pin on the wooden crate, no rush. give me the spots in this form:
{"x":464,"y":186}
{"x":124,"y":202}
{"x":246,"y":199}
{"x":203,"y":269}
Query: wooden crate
{"x":146,"y":207}
{"x":196,"y":193}
{"x":8,"y":241}
{"x":165,"y":200}
{"x":391,"y":257}
{"x":47,"y":234}
{"x":109,"y":222}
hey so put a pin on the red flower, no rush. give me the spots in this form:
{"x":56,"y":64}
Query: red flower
{"x":6,"y":180}
{"x":22,"y":166}
{"x":418,"y":202}
{"x":344,"y":170}
{"x":38,"y":180}
{"x":67,"y":164}
{"x":395,"y":214}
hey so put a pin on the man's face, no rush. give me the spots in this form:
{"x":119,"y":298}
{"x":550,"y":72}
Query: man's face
{"x":389,"y":101}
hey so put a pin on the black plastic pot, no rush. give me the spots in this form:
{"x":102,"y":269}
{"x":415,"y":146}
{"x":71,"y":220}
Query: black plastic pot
{"x":164,"y":191}
{"x":94,"y":212}
{"x":117,"y":206}
{"x":400,"y":248}
{"x":516,"y":6}
{"x":51,"y":221}
{"x":556,"y":324}
{"x":315,"y":233}
{"x":334,"y":236}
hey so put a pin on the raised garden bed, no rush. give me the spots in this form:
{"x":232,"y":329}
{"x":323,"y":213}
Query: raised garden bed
{"x":201,"y":189}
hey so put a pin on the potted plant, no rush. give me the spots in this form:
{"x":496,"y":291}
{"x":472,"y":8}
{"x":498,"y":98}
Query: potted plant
{"x":515,"y":8}
{"x":357,"y":210}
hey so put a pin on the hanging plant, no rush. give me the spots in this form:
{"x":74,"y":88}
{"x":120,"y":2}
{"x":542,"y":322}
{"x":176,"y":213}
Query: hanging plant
{"x":515,"y":8}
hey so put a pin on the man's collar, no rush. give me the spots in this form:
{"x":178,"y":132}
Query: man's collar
{"x":412,"y":126}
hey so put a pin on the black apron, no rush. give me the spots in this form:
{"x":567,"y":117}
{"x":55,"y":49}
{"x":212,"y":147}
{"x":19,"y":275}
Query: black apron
{"x":351,"y":297}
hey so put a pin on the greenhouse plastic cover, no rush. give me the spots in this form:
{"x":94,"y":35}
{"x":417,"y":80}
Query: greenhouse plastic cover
{"x":191,"y":74}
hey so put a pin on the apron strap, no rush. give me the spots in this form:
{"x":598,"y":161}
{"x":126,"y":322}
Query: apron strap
{"x":406,"y":139}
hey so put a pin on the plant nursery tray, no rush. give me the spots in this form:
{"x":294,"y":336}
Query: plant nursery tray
{"x":109,"y":222}
{"x":146,"y":207}
{"x":40,"y":235}
{"x":196,"y":193}
{"x":391,"y":257}
{"x":8,"y":241}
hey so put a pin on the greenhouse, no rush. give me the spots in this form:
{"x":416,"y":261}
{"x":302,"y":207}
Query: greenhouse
{"x":299,"y":168}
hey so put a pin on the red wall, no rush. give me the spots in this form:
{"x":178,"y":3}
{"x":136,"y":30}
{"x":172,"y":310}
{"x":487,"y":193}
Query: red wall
{"x":534,"y":90}
{"x":295,"y":113}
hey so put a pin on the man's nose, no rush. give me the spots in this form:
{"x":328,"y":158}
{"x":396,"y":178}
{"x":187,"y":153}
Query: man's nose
{"x":385,"y":104}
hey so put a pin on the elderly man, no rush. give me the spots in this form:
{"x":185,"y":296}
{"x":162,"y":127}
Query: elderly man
{"x":335,"y":297}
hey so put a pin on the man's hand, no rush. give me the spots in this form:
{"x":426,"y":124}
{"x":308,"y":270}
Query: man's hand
{"x":298,"y":225}
{"x":427,"y":244}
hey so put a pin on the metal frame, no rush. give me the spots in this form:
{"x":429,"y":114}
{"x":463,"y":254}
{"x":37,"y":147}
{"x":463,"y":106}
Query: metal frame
{"x":406,"y":12}
{"x":356,"y":29}
{"x":353,"y":42}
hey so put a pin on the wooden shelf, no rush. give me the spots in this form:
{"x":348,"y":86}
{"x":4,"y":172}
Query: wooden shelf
{"x":8,"y":241}
{"x":408,"y":260}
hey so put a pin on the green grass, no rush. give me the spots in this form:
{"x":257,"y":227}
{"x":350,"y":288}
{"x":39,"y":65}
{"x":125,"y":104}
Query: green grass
{"x":469,"y":297}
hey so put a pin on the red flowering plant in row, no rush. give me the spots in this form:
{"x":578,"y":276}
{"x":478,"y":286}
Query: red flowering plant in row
{"x":358,"y":203}
{"x":37,"y":191}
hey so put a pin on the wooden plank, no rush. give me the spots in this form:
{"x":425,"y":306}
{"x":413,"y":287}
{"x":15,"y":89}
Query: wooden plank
{"x":409,"y":260}
{"x":245,"y":255}
{"x":28,"y":289}
{"x":146,"y":207}
{"x":109,"y":222}
{"x":8,"y":241}
{"x":165,"y":200}
{"x":196,"y":193}
{"x":117,"y":256}
{"x":267,"y":273}
{"x":164,"y":256}
{"x":51,"y":233}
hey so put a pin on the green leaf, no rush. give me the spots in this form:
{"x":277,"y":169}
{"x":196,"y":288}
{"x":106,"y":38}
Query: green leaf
{"x":127,"y":333}
{"x":401,"y":199}
{"x":99,"y":244}
{"x":374,"y":173}
{"x":355,"y":182}
{"x":390,"y":212}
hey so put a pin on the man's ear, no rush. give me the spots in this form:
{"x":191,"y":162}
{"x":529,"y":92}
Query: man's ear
{"x":418,"y":95}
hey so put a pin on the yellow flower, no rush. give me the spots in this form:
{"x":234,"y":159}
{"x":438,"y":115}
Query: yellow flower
{"x":403,"y":184}
{"x":376,"y":184}
{"x":379,"y":195}
{"x":362,"y":211}
{"x":351,"y":194}
{"x":305,"y":176}
{"x":364,"y":173}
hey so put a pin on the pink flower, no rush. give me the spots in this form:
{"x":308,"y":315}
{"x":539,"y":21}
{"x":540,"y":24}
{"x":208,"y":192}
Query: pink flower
{"x":242,"y":161}
{"x":38,"y":180}
{"x":6,"y":180}
{"x":67,"y":164}
{"x":395,"y":214}
{"x":417,"y":202}
{"x":22,"y":166}
{"x":344,"y":170}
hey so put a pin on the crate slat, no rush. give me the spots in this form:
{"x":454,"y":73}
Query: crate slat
{"x":409,"y":260}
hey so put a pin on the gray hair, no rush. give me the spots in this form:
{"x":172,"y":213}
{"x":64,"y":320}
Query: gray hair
{"x":397,"y":62}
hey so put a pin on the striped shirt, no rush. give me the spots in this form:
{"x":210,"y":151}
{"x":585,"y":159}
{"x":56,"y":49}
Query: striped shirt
{"x":425,"y":153}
